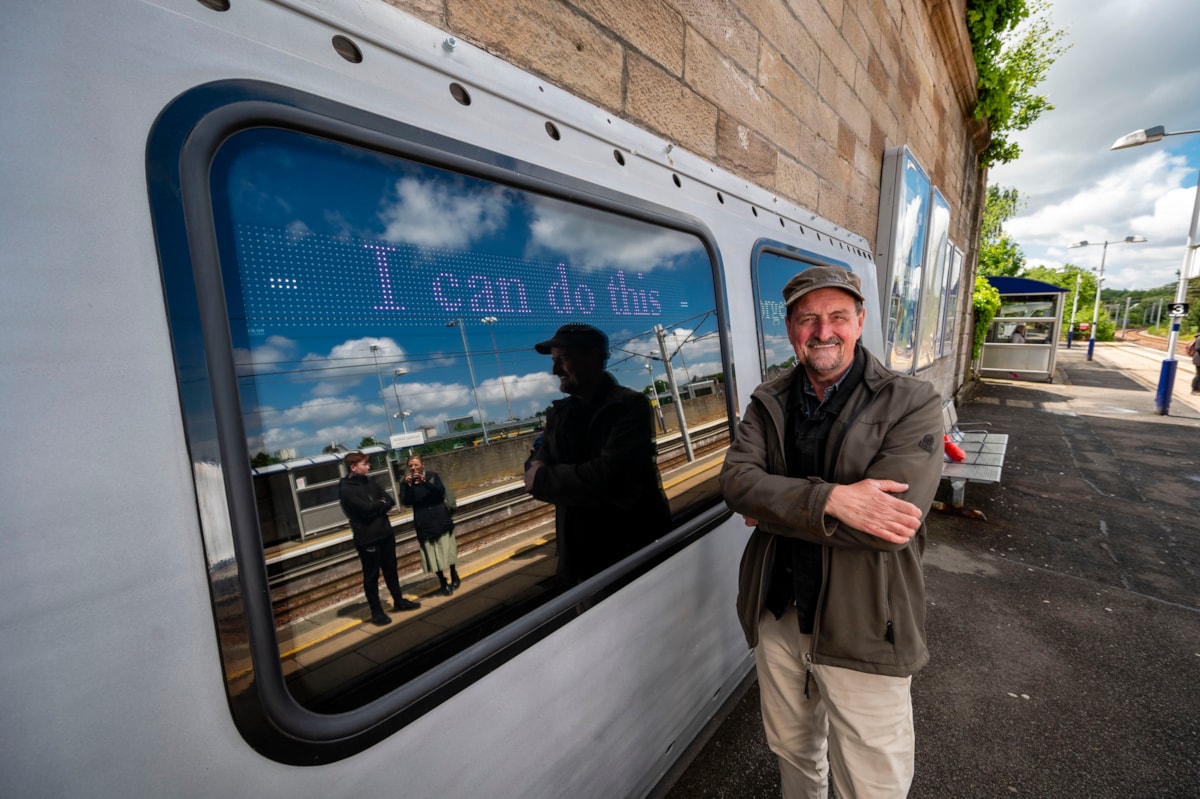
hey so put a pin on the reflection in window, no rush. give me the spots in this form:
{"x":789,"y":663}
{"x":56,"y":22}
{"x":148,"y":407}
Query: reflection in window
{"x":934,"y":278}
{"x":384,"y":305}
{"x":951,"y":299}
{"x":908,"y":255}
{"x":1026,"y":306}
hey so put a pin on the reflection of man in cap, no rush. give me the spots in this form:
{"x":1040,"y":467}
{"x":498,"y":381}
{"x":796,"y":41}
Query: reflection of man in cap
{"x":596,"y":460}
{"x":837,"y":462}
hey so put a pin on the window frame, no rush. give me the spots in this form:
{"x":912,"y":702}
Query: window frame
{"x":181,"y":146}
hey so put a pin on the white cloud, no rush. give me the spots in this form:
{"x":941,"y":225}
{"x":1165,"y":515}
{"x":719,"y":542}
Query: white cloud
{"x":437,"y":215}
{"x":575,"y":234}
{"x":1132,"y":66}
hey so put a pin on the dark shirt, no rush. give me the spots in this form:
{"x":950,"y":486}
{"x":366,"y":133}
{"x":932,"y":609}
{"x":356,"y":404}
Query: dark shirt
{"x":796,"y":571}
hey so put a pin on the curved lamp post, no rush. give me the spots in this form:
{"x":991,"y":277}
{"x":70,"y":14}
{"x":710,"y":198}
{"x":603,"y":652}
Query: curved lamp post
{"x":400,"y":413}
{"x":471,"y":371}
{"x":489,"y":321}
{"x":387,"y":417}
{"x":1166,"y":378}
{"x":1100,"y":280}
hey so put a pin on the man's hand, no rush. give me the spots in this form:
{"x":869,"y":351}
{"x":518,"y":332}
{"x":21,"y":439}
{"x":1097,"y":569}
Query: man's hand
{"x":868,"y":505}
{"x":530,"y":473}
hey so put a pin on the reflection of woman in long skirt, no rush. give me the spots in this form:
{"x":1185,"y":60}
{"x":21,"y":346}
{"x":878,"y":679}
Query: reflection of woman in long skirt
{"x":425,"y":493}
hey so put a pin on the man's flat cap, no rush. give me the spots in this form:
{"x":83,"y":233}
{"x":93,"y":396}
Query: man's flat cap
{"x":575,"y":336}
{"x":822,"y":277}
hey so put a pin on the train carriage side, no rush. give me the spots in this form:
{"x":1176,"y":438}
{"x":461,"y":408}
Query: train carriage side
{"x":223,"y":229}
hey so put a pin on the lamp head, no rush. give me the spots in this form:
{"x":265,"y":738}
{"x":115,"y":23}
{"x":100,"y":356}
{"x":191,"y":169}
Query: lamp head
{"x":1135,"y":239}
{"x":1083,"y":243}
{"x":401,"y":372}
{"x":1139,"y":137}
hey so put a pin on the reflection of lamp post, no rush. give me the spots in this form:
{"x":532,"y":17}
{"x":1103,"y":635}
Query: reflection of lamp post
{"x":1100,"y":279}
{"x":471,"y":371}
{"x":1166,"y":378}
{"x":386,"y":416}
{"x":662,"y":423}
{"x":489,"y":321}
{"x":400,"y":414}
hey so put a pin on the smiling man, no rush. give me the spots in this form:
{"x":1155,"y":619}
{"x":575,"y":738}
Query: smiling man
{"x":836,"y":463}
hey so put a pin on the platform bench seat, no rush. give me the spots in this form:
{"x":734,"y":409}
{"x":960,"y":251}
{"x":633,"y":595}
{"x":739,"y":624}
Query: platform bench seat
{"x":984,"y":450}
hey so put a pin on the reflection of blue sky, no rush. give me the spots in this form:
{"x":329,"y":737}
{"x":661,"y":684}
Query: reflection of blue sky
{"x":338,"y":250}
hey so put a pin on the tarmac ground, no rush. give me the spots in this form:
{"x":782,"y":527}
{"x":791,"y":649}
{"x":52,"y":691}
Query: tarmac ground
{"x":1064,"y":628}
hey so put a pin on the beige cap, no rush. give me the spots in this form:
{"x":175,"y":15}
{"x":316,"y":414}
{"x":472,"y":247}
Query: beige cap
{"x":822,"y":277}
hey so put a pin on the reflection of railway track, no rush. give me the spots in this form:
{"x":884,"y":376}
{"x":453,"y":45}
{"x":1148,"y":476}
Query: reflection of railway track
{"x":315,"y":578}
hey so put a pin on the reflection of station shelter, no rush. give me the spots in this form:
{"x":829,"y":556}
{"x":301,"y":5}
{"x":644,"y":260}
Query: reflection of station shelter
{"x":1023,"y":339}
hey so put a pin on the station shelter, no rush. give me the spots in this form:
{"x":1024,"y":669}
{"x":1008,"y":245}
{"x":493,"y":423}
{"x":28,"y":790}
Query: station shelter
{"x":1022,"y":341}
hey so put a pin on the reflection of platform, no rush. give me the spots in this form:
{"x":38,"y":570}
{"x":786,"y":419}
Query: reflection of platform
{"x":331,"y":653}
{"x":338,"y":646}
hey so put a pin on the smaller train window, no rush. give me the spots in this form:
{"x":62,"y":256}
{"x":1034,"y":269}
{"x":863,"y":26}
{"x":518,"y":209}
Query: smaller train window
{"x":346,"y":296}
{"x":772,"y":270}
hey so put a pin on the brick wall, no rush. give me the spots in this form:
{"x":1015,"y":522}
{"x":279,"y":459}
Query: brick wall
{"x":801,"y":97}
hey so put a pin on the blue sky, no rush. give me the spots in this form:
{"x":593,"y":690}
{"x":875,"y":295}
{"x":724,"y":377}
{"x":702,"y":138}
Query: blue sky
{"x":352,"y":266}
{"x":1133,"y":65}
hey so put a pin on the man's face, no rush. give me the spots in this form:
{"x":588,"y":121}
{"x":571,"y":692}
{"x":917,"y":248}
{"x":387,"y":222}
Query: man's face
{"x":361,"y":468}
{"x":823,"y":327}
{"x":577,"y":370}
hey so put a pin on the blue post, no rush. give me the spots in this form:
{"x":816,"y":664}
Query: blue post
{"x":1166,"y":384}
{"x":1091,"y":346}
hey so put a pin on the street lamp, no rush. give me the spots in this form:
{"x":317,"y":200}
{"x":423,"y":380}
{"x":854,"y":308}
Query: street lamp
{"x":489,"y":321}
{"x":400,"y":413}
{"x":375,"y":348}
{"x":1166,"y":378}
{"x":471,"y":371}
{"x":1074,"y":308}
{"x":1100,"y":279}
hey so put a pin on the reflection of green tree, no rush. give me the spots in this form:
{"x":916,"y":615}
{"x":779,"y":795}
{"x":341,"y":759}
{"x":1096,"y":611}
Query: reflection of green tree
{"x":263,"y":459}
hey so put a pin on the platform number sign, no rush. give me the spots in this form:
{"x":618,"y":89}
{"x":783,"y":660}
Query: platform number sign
{"x":1177,"y":309}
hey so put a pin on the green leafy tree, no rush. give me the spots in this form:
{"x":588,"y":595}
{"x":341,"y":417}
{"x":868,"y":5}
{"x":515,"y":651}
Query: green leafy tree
{"x":369,"y":441}
{"x":1106,"y":326}
{"x":1014,"y":46}
{"x":986,"y":302}
{"x":998,"y":253}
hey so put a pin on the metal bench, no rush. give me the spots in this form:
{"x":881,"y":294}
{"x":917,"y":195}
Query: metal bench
{"x":984,"y":460}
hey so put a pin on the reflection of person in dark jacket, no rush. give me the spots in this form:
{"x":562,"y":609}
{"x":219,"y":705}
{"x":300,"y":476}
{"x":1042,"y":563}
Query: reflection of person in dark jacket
{"x":425,"y":493}
{"x":366,"y":506}
{"x":596,"y":460}
{"x":836,"y":463}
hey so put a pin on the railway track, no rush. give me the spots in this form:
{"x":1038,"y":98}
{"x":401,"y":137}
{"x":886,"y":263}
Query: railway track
{"x":489,"y":525}
{"x":1142,"y":338}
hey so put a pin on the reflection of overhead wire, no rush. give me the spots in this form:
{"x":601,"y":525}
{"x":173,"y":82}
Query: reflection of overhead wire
{"x":702,"y":316}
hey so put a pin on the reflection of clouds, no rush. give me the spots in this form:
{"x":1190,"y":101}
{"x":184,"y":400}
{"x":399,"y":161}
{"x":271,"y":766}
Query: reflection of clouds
{"x":314,"y":411}
{"x":267,"y":357}
{"x":590,"y":241}
{"x":351,"y":361}
{"x":444,"y":214}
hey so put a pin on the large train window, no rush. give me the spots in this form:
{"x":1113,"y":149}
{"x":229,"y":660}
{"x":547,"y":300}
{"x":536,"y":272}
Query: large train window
{"x":354,"y":288}
{"x":773,"y":268}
